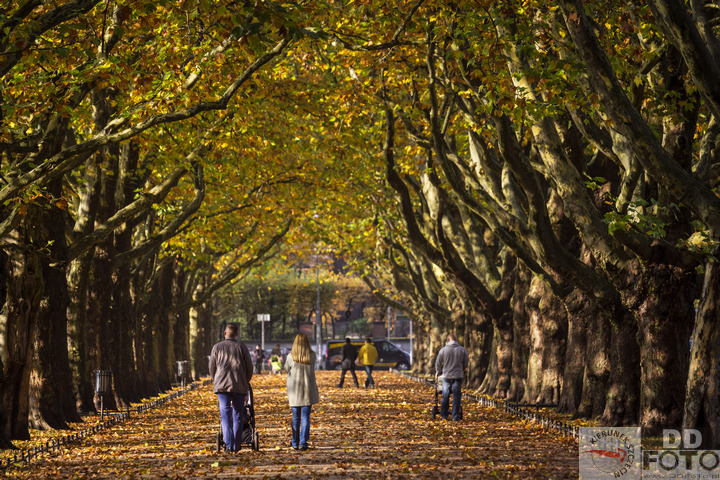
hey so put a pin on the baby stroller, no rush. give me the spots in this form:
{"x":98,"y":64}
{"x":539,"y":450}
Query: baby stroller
{"x":250,"y":434}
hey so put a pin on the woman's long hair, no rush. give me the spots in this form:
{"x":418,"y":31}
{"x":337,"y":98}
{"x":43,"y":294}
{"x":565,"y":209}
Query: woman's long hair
{"x":301,"y":349}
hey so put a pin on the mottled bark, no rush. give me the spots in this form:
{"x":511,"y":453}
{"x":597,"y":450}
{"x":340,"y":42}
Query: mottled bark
{"x":596,"y":376}
{"x":164,"y":360}
{"x":427,"y":343}
{"x":143,"y":335}
{"x":79,"y":353}
{"x":52,"y":403}
{"x":548,"y":334}
{"x":503,"y":348}
{"x":202,"y":334}
{"x":24,"y":291}
{"x":5,"y":442}
{"x":622,"y":403}
{"x":126,"y":377}
{"x":180,"y":336}
{"x":520,"y":336}
{"x":78,"y":278}
{"x":490,"y":381}
{"x":50,"y":383}
{"x":661,"y":297}
{"x":580,"y":312}
{"x":202,"y":331}
{"x":477,"y":340}
{"x":702,"y":400}
{"x":104,"y":342}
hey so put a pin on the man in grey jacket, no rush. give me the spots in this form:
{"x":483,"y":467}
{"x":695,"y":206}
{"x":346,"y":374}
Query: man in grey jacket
{"x":450,"y":365}
{"x":231,"y":369}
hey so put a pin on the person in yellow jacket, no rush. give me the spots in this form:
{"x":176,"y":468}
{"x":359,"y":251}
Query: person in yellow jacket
{"x":367,"y":357}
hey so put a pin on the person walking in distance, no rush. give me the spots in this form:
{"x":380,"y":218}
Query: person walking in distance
{"x":368,"y":356}
{"x":349,"y":354}
{"x":231,"y":369}
{"x":275,"y":364}
{"x":302,"y":390}
{"x":450,"y":365}
{"x":259,"y":358}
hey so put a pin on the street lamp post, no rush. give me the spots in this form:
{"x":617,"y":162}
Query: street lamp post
{"x":262,"y":318}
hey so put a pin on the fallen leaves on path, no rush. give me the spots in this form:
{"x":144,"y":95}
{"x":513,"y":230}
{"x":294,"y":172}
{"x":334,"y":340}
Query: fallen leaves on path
{"x":386,"y":432}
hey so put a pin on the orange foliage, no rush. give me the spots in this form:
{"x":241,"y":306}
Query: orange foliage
{"x":385,"y":432}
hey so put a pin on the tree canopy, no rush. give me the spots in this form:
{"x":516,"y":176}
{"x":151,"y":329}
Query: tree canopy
{"x":539,"y":179}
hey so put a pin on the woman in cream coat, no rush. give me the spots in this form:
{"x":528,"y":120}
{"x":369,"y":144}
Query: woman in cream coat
{"x":302,"y":389}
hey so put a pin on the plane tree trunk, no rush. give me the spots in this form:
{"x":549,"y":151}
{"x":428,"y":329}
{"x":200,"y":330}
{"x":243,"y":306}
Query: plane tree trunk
{"x":22,"y":301}
{"x":701,"y":410}
{"x":52,"y":403}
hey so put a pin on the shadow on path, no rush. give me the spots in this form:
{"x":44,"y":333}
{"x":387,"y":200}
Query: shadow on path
{"x":385,"y":432}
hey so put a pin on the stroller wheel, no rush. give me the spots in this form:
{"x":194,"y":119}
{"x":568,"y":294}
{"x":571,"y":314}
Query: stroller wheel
{"x":435,"y":411}
{"x":256,"y":441}
{"x":220,"y":443}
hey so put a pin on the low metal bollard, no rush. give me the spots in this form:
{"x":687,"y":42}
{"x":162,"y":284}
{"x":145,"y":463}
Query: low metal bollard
{"x":183,"y":371}
{"x":103,"y":386}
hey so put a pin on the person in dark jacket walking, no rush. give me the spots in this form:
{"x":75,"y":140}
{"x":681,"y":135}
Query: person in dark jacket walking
{"x":231,"y":369}
{"x":450,"y":365}
{"x":259,"y":359}
{"x":349,"y":354}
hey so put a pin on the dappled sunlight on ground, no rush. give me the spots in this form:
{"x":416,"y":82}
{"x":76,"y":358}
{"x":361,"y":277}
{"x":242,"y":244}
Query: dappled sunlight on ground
{"x":386,"y":432}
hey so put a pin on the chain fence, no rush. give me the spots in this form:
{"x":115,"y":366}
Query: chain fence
{"x":516,"y":409}
{"x":26,"y":455}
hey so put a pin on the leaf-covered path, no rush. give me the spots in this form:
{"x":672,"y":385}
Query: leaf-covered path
{"x":386,"y":432}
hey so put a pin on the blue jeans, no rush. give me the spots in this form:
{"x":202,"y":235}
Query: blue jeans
{"x":369,"y":382}
{"x":232,"y":419}
{"x":451,"y":385}
{"x":300,"y":426}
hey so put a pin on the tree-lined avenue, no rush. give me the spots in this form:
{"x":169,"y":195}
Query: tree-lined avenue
{"x":385,"y":432}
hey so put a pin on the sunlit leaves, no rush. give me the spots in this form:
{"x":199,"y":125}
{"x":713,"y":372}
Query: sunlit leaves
{"x":355,"y":433}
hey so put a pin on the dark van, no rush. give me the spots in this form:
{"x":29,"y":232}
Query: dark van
{"x":389,"y":355}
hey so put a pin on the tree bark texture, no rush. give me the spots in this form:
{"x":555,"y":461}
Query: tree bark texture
{"x":52,"y":403}
{"x":548,"y":334}
{"x":665,"y":328}
{"x":701,"y":410}
{"x":23,"y":296}
{"x":78,"y":339}
{"x":5,"y":442}
{"x":580,"y":312}
{"x":520,"y":347}
{"x":477,"y":340}
{"x":622,"y":404}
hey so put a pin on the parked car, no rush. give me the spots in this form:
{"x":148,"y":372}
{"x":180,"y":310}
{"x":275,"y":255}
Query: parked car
{"x":389,"y":355}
